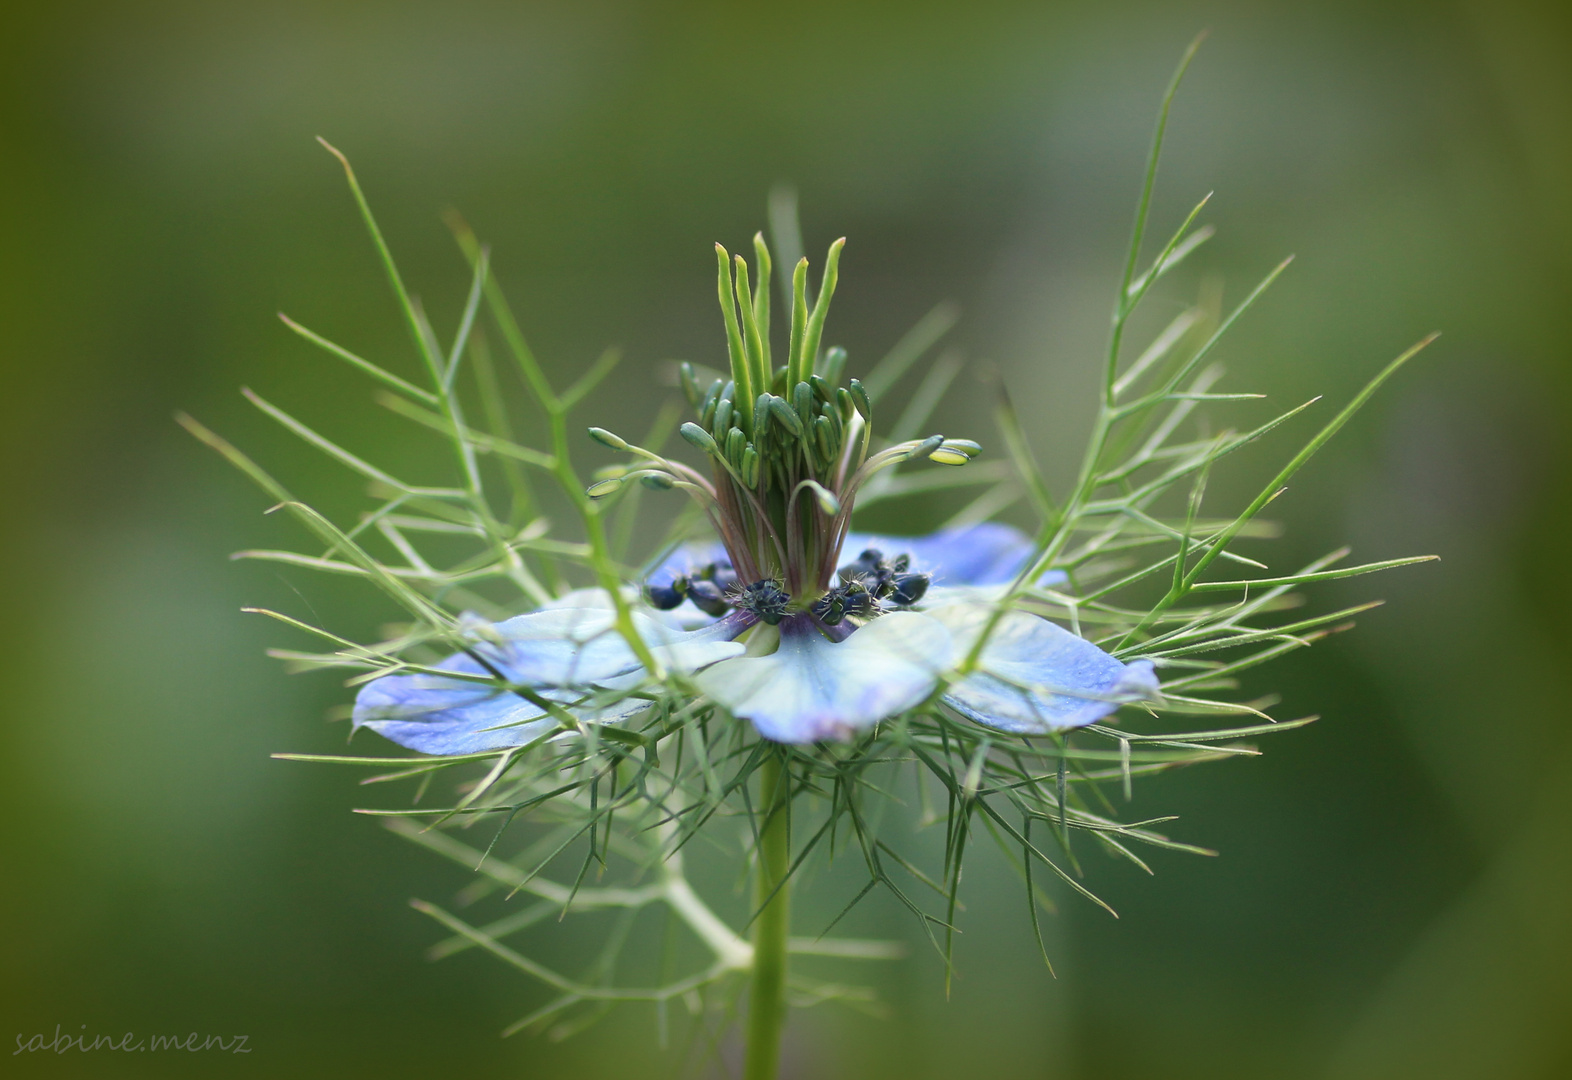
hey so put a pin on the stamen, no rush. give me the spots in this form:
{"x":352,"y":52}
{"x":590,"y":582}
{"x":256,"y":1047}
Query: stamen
{"x":766,"y":599}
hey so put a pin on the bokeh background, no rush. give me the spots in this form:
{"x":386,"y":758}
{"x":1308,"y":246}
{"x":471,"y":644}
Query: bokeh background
{"x":1394,"y":894}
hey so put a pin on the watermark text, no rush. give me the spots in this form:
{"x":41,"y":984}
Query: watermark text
{"x":83,"y":1042}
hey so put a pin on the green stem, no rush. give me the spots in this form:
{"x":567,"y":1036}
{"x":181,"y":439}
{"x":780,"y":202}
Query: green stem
{"x":767,"y":1007}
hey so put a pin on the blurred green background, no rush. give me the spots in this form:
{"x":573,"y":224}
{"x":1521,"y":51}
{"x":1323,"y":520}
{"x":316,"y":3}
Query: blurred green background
{"x":1394,"y":894}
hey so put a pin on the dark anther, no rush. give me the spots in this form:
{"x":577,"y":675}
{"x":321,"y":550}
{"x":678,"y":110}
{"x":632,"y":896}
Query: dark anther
{"x":831,"y":608}
{"x":908,"y":589}
{"x":766,"y":599}
{"x":666,"y":597}
{"x":882,"y":578}
{"x":861,"y":602}
{"x":706,"y":587}
{"x":850,"y":598}
{"x":708,"y":597}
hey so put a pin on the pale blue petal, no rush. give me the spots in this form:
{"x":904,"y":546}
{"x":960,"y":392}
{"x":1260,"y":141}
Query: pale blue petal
{"x":581,"y":646}
{"x":811,"y":688}
{"x":562,"y":654}
{"x":989,"y":553}
{"x":601,"y":599}
{"x":447,"y":716}
{"x":1034,"y":676}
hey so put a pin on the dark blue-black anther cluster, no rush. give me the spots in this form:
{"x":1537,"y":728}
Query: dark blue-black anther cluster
{"x":868,"y":584}
{"x":707,"y":588}
{"x":766,"y":599}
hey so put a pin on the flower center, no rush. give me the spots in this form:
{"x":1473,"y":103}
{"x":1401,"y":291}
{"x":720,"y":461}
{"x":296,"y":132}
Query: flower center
{"x":789,"y":448}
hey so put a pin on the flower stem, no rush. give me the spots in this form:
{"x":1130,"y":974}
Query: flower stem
{"x":767,"y":1007}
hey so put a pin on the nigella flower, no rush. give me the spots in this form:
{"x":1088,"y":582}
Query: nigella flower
{"x":788,"y":619}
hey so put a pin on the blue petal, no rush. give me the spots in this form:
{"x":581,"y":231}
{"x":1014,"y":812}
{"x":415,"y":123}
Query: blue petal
{"x":988,"y":553}
{"x":1034,"y":676}
{"x":561,"y":653}
{"x":447,"y":716}
{"x":811,"y":688}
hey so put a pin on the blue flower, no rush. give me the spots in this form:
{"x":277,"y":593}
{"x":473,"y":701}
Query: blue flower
{"x":1033,"y":677}
{"x":833,"y":644}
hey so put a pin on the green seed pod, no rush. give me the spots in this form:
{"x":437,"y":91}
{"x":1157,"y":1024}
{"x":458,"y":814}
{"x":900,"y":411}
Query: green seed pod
{"x":657,"y":481}
{"x":605,"y":487}
{"x":833,"y":415}
{"x":750,"y":467}
{"x":606,"y":438}
{"x":965,"y":446}
{"x":786,"y":416}
{"x":845,"y":404}
{"x":924,"y":448}
{"x":722,"y":422}
{"x":802,"y":401}
{"x":736,"y":442}
{"x":699,"y":437}
{"x":824,"y":391}
{"x":859,"y":398}
{"x":824,"y":438}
